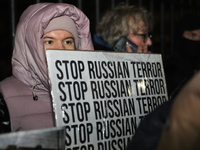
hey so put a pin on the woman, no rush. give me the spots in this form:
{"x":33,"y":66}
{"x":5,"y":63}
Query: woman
{"x":131,"y":22}
{"x":41,"y":26}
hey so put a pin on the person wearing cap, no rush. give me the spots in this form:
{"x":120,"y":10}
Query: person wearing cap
{"x":27,"y":92}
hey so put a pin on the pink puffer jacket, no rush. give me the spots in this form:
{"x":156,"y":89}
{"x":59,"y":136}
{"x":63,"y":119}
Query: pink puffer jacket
{"x":30,"y":75}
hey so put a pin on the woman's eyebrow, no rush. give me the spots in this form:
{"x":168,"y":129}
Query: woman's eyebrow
{"x":69,"y":38}
{"x":44,"y":37}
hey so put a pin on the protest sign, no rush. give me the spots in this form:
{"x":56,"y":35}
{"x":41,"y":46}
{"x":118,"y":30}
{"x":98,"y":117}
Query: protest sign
{"x":100,"y":97}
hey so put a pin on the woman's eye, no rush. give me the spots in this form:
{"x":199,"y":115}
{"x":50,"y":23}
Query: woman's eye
{"x":48,"y":42}
{"x":69,"y":42}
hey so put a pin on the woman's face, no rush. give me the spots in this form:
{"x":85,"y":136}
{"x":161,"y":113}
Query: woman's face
{"x":59,"y":39}
{"x":140,"y":39}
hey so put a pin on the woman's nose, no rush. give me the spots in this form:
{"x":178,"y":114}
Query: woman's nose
{"x":59,"y":45}
{"x":148,"y":42}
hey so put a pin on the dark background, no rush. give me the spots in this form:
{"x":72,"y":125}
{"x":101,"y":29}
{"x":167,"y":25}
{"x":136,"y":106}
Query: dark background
{"x":166,"y":15}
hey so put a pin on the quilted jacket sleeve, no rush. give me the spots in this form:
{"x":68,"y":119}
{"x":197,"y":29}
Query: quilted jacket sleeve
{"x":4,"y":117}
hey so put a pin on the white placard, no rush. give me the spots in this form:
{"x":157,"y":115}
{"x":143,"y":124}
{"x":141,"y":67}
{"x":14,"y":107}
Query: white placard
{"x":102,"y":96}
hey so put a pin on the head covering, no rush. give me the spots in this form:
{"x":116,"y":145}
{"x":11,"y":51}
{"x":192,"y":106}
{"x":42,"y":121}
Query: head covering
{"x":63,"y":23}
{"x":29,"y":59}
{"x":187,"y":49}
{"x":189,"y":22}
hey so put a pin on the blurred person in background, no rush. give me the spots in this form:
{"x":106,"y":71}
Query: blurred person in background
{"x":182,"y":128}
{"x":130,"y":22}
{"x":185,"y":61}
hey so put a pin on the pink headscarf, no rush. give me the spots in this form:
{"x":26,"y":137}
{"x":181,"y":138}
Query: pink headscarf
{"x":63,"y":23}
